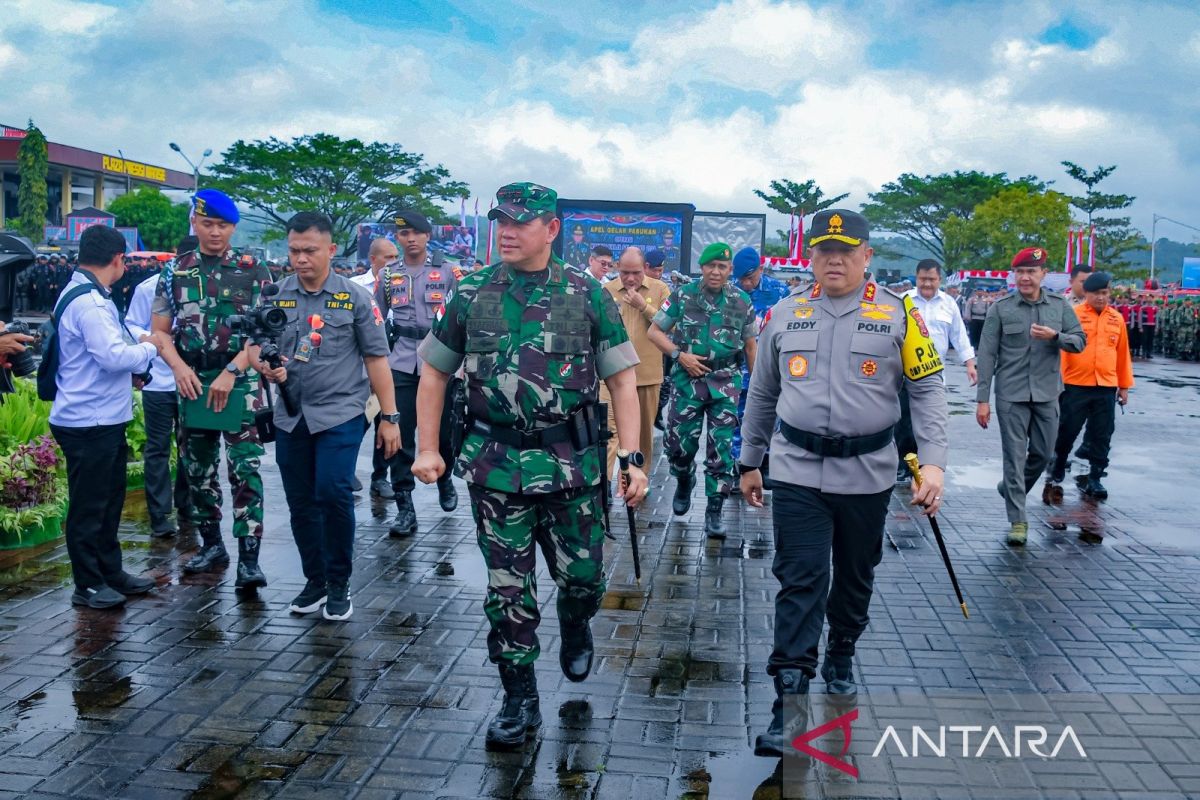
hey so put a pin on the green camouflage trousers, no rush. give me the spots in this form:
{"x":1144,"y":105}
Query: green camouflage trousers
{"x":691,"y":402}
{"x":569,"y":527}
{"x":198,"y":458}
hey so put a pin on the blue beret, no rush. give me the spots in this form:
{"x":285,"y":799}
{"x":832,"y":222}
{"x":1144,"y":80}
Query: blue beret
{"x":744,"y":262}
{"x":213,"y":203}
{"x":655,"y":259}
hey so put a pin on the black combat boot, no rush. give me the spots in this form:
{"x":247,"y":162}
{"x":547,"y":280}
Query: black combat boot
{"x":249,"y":575}
{"x":405,"y":523}
{"x":576,"y":651}
{"x":447,"y":494}
{"x":520,"y":715}
{"x":838,"y":669}
{"x":212,"y":554}
{"x":683,"y":494}
{"x":713,"y":526}
{"x":778,"y":740}
{"x":1093,"y":487}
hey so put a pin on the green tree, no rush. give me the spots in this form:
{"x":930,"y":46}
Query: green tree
{"x":918,"y":207}
{"x":160,"y":223}
{"x":1114,"y":235}
{"x":797,"y":198}
{"x":33,"y":163}
{"x":1012,"y":220}
{"x":347,"y":179}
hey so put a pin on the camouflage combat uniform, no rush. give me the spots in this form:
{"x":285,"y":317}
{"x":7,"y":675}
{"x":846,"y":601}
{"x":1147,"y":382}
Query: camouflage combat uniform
{"x":535,"y":346}
{"x":717,"y":328}
{"x":200,"y":297}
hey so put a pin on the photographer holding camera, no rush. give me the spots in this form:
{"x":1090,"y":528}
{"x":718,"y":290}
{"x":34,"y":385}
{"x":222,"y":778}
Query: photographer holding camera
{"x":333,"y":330}
{"x":93,"y":403}
{"x":210,"y":362}
{"x":13,"y":354}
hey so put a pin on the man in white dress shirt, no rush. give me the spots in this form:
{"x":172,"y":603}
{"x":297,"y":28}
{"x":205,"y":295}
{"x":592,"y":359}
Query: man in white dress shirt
{"x":94,"y":403}
{"x":944,"y":319}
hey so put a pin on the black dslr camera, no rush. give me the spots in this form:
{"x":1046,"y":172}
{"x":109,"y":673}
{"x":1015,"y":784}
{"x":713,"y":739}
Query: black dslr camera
{"x":262,"y":326}
{"x":21,"y":364}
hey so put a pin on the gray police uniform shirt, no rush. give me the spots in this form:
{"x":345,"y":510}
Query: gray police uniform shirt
{"x":1022,"y":368}
{"x":834,"y":366}
{"x":410,"y":298}
{"x":330,"y":379}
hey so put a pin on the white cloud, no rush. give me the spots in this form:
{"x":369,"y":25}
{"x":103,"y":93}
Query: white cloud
{"x":663,"y":120}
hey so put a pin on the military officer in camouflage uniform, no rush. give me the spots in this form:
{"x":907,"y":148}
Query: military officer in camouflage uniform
{"x":411,"y":291}
{"x":198,"y":293}
{"x":825,"y":394}
{"x":535,"y":337}
{"x":708,"y":328}
{"x":577,"y":252}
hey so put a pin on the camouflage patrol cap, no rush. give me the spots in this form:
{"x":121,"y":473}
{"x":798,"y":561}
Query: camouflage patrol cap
{"x":522,"y":202}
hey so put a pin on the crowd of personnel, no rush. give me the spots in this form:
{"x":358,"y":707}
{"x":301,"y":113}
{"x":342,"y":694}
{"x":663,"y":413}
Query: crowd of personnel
{"x":539,"y":383}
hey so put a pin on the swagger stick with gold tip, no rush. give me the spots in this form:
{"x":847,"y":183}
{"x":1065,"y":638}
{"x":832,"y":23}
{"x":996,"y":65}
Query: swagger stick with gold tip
{"x":915,"y":468}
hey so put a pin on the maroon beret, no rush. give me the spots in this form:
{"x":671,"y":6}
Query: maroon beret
{"x":1030,"y":257}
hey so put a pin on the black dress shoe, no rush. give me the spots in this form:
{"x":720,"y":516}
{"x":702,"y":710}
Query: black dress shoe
{"x":130,"y":584}
{"x":576,"y":652}
{"x":98,"y":597}
{"x":447,"y":495}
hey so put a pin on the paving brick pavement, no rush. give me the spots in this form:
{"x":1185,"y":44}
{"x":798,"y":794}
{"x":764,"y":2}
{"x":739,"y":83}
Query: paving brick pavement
{"x":195,"y":692}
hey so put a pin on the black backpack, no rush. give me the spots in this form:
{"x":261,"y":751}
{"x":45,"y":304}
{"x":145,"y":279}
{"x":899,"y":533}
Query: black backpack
{"x":47,"y":374}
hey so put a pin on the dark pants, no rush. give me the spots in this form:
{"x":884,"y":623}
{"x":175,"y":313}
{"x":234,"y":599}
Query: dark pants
{"x":162,"y":427}
{"x":318,"y":480}
{"x":906,"y":442}
{"x":96,"y":493}
{"x":850,"y":526}
{"x":1147,"y":340}
{"x":401,"y":463}
{"x":1094,"y":405}
{"x":1135,"y":339}
{"x":974,"y":331}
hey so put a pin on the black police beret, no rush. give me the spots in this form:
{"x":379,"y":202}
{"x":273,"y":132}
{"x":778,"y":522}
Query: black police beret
{"x":414,"y":220}
{"x":1096,"y":281}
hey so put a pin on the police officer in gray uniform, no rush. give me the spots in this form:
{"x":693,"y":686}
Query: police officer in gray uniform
{"x":411,"y":292}
{"x":333,"y":330}
{"x":831,"y":361}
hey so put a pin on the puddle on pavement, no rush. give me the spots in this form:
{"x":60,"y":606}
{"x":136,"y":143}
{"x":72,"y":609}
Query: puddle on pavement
{"x":51,"y":708}
{"x":624,"y":600}
{"x":739,"y":774}
{"x":467,"y":568}
{"x":238,"y":775}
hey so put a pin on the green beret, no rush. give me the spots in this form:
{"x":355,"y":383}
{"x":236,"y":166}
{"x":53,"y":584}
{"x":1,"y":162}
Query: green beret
{"x":717,"y":251}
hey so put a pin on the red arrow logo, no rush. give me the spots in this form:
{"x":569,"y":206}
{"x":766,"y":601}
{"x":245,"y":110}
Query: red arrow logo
{"x":801,"y":742}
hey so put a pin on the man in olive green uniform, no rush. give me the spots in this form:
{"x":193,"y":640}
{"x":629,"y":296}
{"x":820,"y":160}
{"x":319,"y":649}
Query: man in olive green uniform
{"x":1020,"y":353}
{"x":210,"y":361}
{"x":712,"y":333}
{"x":535,"y":337}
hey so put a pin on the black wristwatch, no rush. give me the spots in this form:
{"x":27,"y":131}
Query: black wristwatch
{"x":743,"y":469}
{"x":393,"y":418}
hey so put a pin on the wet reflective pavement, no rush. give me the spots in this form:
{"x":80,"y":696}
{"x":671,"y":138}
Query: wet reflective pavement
{"x":196,"y":692}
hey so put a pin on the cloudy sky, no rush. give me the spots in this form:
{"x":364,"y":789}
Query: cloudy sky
{"x":693,"y":101}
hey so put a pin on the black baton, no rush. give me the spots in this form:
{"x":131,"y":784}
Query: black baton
{"x":915,"y":468}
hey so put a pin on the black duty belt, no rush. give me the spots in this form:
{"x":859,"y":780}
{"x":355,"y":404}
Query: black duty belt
{"x":207,"y":361}
{"x":409,"y":331}
{"x":582,"y":431}
{"x":837,"y":446}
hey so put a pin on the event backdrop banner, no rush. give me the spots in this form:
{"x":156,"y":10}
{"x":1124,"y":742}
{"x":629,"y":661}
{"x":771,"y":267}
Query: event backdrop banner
{"x":456,"y":241}
{"x":736,"y":230}
{"x":617,"y":225}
